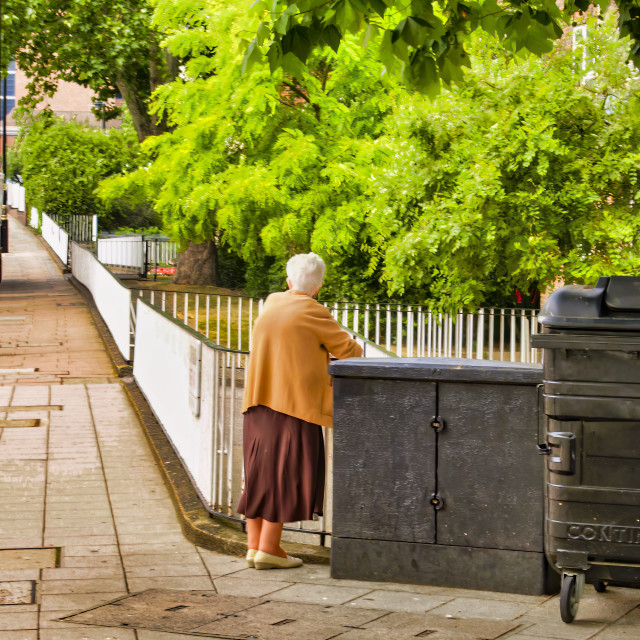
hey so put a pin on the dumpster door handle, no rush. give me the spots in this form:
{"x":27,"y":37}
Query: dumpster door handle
{"x":561,"y":447}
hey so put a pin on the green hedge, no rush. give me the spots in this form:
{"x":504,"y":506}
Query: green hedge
{"x":62,"y":163}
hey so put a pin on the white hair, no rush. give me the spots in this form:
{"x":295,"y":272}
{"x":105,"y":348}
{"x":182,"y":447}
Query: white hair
{"x":306,"y":272}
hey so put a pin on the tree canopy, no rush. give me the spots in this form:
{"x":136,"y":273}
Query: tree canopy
{"x":524,"y":170}
{"x":109,"y":46}
{"x":62,"y":163}
{"x":425,"y":41}
{"x":527,"y":171}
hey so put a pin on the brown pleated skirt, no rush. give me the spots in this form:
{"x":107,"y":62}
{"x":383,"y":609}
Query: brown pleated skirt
{"x":283,"y":466}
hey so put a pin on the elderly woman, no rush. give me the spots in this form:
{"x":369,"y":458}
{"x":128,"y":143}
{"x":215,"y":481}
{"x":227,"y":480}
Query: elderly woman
{"x":287,"y":398}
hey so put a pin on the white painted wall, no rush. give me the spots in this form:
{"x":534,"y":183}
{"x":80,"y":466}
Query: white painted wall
{"x":15,"y":195}
{"x":56,"y":238}
{"x":34,"y":218}
{"x":164,"y":372}
{"x":112,"y":299}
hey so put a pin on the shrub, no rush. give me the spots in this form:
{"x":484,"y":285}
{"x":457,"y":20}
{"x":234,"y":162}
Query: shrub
{"x":62,"y":163}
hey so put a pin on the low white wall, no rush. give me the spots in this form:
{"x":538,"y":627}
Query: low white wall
{"x":112,"y":299}
{"x":56,"y":238}
{"x":34,"y":218}
{"x":171,"y":376}
{"x":15,"y":195}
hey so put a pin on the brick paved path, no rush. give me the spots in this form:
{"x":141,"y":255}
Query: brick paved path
{"x":85,"y":518}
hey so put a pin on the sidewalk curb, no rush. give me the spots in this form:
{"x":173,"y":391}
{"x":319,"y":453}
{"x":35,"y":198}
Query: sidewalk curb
{"x":198,"y":524}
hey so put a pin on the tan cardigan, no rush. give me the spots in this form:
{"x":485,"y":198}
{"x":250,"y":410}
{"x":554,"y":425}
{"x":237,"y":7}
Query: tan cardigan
{"x":288,"y":367}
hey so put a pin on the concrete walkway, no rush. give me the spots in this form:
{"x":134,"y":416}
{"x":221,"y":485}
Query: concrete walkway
{"x":86,"y":524}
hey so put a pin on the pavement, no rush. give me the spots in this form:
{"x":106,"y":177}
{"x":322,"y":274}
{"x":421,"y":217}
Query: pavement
{"x":92,"y":547}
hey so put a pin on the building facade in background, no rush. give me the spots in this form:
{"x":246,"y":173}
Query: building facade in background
{"x":71,"y":102}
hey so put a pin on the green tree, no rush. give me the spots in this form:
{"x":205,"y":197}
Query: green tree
{"x":425,"y":41}
{"x":63,"y":162}
{"x":109,"y":46}
{"x":270,"y":164}
{"x":529,"y":172}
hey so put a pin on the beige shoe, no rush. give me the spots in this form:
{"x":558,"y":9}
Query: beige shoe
{"x":264,"y":560}
{"x":251,"y":554}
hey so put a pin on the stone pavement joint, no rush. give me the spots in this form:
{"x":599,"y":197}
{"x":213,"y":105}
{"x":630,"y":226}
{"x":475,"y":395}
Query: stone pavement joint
{"x":85,"y":515}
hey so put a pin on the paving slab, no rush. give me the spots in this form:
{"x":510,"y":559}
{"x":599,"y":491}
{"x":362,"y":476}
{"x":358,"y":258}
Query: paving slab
{"x":170,"y":570}
{"x":494,"y":609}
{"x":91,"y":585}
{"x":17,"y":575}
{"x":64,"y":573}
{"x":83,"y":562}
{"x":416,"y":625}
{"x":555,"y":629}
{"x":317,"y":594}
{"x":166,"y":610}
{"x":27,"y":558}
{"x":184,"y":583}
{"x":76,"y":601}
{"x":12,"y":621}
{"x":163,"y":559}
{"x":232,"y":586}
{"x":20,"y":635}
{"x":617,"y":632}
{"x":399,"y":601}
{"x":87,"y":634}
{"x":16,"y":592}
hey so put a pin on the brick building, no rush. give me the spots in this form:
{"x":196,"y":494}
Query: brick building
{"x":71,"y":101}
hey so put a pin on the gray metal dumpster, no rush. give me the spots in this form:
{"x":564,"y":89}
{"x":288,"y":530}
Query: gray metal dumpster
{"x":436,"y":476}
{"x":591,"y":344}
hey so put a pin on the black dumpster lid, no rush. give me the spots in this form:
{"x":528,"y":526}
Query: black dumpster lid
{"x":613,"y":303}
{"x":435,"y":369}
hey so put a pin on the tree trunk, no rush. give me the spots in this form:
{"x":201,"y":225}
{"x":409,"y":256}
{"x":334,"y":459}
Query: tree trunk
{"x":198,"y":265}
{"x":173,"y":65}
{"x":137,"y":108}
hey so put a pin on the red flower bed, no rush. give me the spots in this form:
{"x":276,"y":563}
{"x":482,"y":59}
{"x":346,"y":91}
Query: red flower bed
{"x":164,"y":271}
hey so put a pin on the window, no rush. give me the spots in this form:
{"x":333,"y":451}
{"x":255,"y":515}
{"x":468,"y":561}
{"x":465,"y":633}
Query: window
{"x":9,"y":88}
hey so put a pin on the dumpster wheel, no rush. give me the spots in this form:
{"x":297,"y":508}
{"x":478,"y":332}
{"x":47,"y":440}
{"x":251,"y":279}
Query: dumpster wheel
{"x":569,"y":597}
{"x":600,"y":586}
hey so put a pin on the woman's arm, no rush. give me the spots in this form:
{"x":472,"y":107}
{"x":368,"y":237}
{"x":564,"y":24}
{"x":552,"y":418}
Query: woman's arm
{"x":335,"y":339}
